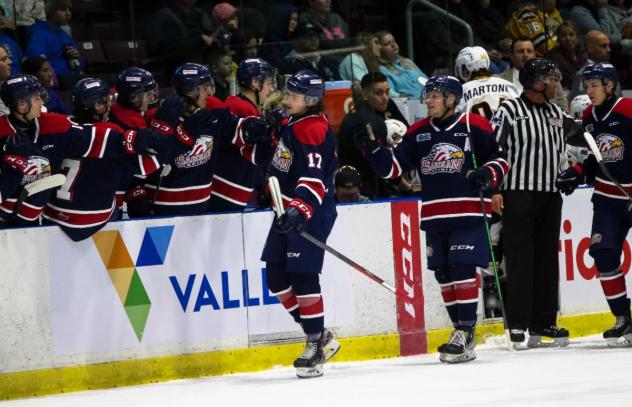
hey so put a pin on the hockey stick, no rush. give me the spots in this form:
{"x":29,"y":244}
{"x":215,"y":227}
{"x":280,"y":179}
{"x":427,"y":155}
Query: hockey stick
{"x":43,"y":184}
{"x":503,"y":313}
{"x":166,"y":169}
{"x":277,"y":200}
{"x":595,"y":150}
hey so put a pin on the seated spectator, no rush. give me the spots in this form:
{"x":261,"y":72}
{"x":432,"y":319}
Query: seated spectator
{"x":27,"y":12}
{"x":568,"y":55}
{"x":9,"y":45}
{"x":40,"y":68}
{"x":375,"y":107}
{"x":333,"y":31}
{"x":348,"y":183}
{"x":222,"y":70}
{"x":357,"y":64}
{"x":5,"y":72}
{"x":537,"y":23}
{"x":593,"y":15}
{"x":249,"y":49}
{"x":598,"y":50}
{"x":405,"y":79}
{"x":283,"y":21}
{"x":181,"y":31}
{"x":227,"y":23}
{"x":48,"y":39}
{"x":305,"y":55}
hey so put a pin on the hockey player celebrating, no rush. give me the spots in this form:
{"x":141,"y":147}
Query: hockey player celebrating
{"x":609,"y":119}
{"x":45,"y":139}
{"x":445,"y":152}
{"x":304,"y":162}
{"x":482,"y":93}
{"x":241,"y":168}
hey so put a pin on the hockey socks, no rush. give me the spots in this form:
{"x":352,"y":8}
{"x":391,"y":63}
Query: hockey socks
{"x":448,"y":294}
{"x":289,"y":302}
{"x":613,"y":285}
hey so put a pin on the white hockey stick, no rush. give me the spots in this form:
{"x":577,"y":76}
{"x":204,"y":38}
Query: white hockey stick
{"x":54,"y":181}
{"x":592,"y":144}
{"x":277,"y":200}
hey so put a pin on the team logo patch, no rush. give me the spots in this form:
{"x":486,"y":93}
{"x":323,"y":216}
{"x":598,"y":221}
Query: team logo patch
{"x":443,"y":158}
{"x":610,"y":146}
{"x":199,"y":154}
{"x":37,"y":168}
{"x":423,"y":137}
{"x":596,"y":238}
{"x":282,"y":159}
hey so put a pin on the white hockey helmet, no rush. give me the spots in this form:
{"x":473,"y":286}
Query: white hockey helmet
{"x":578,"y":105}
{"x":395,"y":131}
{"x":471,"y":59}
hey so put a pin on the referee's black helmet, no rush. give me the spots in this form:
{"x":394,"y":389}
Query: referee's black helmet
{"x":536,"y":70}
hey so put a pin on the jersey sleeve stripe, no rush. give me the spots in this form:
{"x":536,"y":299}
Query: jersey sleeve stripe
{"x":396,"y":169}
{"x":313,"y":185}
{"x":148,"y":164}
{"x":238,"y":138}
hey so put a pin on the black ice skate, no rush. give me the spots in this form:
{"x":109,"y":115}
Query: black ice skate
{"x":517,"y":336}
{"x":330,"y":345}
{"x":620,"y":335}
{"x":460,"y":347}
{"x":558,"y":335}
{"x":310,"y":363}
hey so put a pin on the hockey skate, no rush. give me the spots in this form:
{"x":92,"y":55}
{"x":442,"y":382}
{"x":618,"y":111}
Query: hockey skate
{"x":310,"y":363}
{"x":620,"y":335}
{"x":330,"y":345}
{"x":517,"y":337}
{"x":460,"y":347}
{"x":558,"y":335}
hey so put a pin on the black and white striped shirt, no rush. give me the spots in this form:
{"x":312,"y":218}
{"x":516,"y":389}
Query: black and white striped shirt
{"x":534,"y":138}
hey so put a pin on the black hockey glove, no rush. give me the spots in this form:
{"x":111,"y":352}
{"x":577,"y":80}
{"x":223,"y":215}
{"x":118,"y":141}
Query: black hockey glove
{"x":569,"y":179}
{"x":144,"y":142}
{"x":138,"y":202}
{"x":364,"y":140}
{"x":168,"y":115}
{"x":254,"y":130}
{"x":482,"y":178}
{"x":202,"y":122}
{"x":292,"y":221}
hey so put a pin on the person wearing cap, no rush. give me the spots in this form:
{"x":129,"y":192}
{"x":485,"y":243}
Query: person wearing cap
{"x":348,"y":183}
{"x":306,"y":41}
{"x":332,"y":30}
{"x":534,"y":132}
{"x":227,"y":23}
{"x":47,"y":38}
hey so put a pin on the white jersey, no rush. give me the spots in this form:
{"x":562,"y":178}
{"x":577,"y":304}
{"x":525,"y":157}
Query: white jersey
{"x":483,"y":96}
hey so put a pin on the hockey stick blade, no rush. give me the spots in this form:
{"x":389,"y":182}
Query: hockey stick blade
{"x":54,"y":181}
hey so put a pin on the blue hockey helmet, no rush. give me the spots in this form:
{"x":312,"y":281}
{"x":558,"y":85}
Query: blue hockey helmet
{"x":21,"y":87}
{"x":88,"y":92}
{"x":307,"y":83}
{"x":253,"y":69}
{"x":189,"y":76}
{"x":448,"y":85}
{"x":604,"y":71}
{"x":133,"y":82}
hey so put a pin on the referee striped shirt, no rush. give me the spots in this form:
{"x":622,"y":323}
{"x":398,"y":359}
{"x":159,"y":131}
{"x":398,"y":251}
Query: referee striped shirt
{"x":532,"y":135}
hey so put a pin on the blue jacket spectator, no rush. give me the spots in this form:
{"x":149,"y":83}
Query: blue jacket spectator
{"x":354,"y":66}
{"x":40,"y":68}
{"x":404,"y":77}
{"x":48,"y":39}
{"x":9,"y":45}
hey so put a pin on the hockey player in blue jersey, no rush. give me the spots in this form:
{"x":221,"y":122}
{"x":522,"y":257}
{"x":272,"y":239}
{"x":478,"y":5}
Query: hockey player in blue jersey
{"x":609,"y":120}
{"x":442,"y":148}
{"x":304,"y":162}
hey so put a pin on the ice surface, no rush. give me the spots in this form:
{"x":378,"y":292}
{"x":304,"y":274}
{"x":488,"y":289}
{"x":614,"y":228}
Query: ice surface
{"x":584,"y":374}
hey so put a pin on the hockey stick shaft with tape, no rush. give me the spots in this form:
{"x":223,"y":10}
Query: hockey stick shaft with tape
{"x":592,"y":145}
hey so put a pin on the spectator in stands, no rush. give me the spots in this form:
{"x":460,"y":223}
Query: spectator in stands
{"x":9,"y":45}
{"x":348,"y":183}
{"x":222,"y":71}
{"x":405,"y":79}
{"x":249,"y":48}
{"x":375,"y":107}
{"x":538,"y":21}
{"x":48,"y":39}
{"x":5,"y":72}
{"x":27,"y":12}
{"x":522,"y":50}
{"x":305,"y":55}
{"x":593,"y":15}
{"x":332,"y":29}
{"x":568,"y":55}
{"x":357,"y":64}
{"x":227,"y":23}
{"x":487,"y":22}
{"x":283,"y":21}
{"x":597,"y":50}
{"x":181,"y":32}
{"x":40,"y":68}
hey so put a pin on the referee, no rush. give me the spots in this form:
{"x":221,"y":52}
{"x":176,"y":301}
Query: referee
{"x":534,"y":133}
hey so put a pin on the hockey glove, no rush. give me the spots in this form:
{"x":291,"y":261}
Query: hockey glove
{"x":168,"y":115}
{"x":482,"y":178}
{"x":202,"y":122}
{"x":569,"y":179}
{"x":138,"y":204}
{"x":144,"y":142}
{"x":294,"y":218}
{"x":364,"y":141}
{"x":254,"y":130}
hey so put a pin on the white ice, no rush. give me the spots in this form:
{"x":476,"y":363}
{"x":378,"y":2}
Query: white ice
{"x":584,"y":374}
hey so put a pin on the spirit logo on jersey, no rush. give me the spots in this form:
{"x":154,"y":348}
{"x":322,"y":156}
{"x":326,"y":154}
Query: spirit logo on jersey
{"x":282,"y":159}
{"x":610,"y":146}
{"x":199,"y":154}
{"x":443,"y":158}
{"x":37,"y":168}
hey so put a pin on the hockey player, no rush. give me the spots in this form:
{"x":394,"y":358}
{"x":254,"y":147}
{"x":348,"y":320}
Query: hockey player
{"x":609,"y":119}
{"x":304,"y":162}
{"x":87,"y":201}
{"x":240,"y":169}
{"x":445,"y":153}
{"x":47,"y":138}
{"x":201,"y":135}
{"x":482,"y":93}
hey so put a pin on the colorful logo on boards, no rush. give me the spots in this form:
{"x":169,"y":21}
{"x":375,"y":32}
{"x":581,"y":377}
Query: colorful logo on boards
{"x":123,"y":270}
